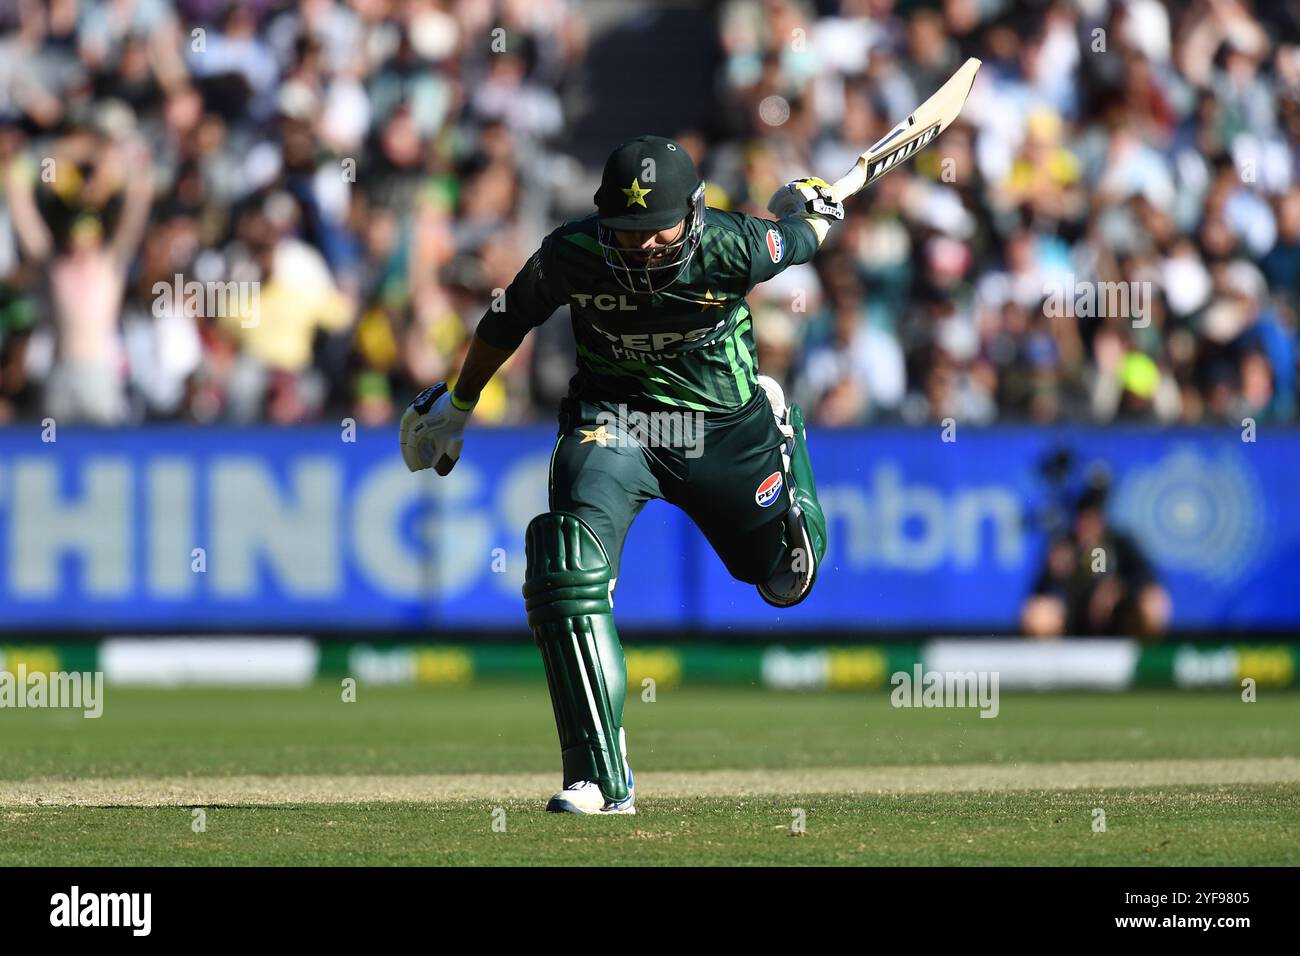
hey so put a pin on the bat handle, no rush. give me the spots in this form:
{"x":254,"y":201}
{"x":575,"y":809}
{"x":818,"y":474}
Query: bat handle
{"x":850,"y":182}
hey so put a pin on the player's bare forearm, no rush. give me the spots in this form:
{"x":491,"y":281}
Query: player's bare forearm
{"x":481,"y":363}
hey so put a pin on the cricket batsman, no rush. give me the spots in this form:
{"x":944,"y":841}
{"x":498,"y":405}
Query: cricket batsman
{"x":656,"y":283}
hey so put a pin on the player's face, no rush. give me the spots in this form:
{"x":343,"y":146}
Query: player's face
{"x":648,"y":261}
{"x":648,"y":246}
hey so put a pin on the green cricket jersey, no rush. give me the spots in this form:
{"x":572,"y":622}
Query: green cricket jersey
{"x":690,"y":346}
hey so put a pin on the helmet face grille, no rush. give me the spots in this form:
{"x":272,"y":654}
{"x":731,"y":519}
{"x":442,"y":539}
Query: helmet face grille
{"x":666,"y":263}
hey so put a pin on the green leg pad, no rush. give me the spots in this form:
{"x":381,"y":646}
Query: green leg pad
{"x":566,"y":592}
{"x":805,"y":488}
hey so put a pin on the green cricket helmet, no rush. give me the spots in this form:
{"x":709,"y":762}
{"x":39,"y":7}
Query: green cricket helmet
{"x":650,"y":183}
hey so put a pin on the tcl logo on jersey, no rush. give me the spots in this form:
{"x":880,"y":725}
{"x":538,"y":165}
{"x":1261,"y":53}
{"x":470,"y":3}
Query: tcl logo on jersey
{"x":768,"y":490}
{"x":604,"y":301}
{"x":775,"y":245}
{"x":654,"y":341}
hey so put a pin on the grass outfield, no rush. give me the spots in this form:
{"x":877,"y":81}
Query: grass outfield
{"x":419,"y":775}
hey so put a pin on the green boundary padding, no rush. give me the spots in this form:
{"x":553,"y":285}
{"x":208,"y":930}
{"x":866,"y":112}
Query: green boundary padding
{"x":1155,"y":666}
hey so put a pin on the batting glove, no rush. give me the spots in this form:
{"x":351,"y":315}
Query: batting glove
{"x":806,"y":197}
{"x":433,"y":430}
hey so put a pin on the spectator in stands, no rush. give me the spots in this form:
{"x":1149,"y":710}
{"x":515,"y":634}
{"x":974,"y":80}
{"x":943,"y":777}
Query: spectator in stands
{"x":87,"y":253}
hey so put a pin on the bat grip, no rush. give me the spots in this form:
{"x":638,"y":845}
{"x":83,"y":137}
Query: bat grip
{"x":850,"y":182}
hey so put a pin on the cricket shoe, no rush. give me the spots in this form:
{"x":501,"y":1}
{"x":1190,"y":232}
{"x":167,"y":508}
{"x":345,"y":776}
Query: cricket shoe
{"x":794,"y":579}
{"x":585,"y":796}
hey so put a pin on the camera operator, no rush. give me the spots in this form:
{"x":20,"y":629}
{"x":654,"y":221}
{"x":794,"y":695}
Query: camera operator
{"x":1095,"y":581}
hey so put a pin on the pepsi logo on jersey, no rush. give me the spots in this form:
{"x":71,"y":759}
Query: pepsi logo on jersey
{"x":775,"y":245}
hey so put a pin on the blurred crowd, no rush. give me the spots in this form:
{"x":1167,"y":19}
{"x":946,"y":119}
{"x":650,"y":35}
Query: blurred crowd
{"x":374,"y":169}
{"x":358,"y":176}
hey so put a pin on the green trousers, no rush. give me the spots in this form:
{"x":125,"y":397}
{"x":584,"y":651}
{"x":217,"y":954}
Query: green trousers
{"x":724,"y":471}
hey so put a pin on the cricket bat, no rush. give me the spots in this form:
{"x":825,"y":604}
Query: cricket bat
{"x":911,"y":135}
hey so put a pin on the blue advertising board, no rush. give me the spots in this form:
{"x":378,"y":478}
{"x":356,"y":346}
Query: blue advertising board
{"x":220,"y":529}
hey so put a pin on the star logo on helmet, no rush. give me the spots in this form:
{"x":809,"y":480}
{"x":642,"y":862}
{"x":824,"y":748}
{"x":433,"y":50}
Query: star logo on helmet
{"x":636,"y":195}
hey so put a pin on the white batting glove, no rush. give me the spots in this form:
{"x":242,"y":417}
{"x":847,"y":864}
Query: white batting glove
{"x":806,"y":197}
{"x":433,"y":430}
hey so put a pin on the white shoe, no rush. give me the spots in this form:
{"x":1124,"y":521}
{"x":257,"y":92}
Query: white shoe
{"x":585,"y":796}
